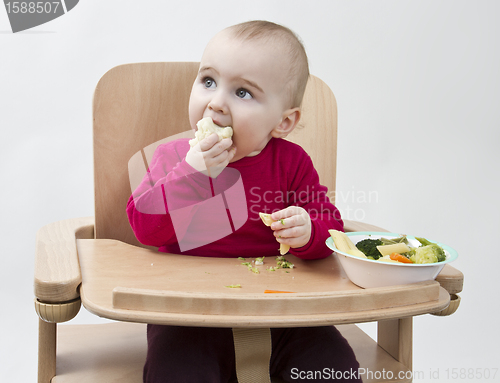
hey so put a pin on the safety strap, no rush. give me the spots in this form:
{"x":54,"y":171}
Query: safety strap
{"x":252,"y":348}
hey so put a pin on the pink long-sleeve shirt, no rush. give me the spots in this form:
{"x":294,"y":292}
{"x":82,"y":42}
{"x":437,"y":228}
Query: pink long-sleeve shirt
{"x":165,"y":209}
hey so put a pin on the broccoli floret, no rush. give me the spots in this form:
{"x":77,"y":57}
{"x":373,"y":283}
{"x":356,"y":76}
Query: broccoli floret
{"x":428,"y":254}
{"x":369,"y":247}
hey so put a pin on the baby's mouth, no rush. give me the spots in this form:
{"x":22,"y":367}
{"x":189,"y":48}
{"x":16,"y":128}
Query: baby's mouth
{"x":219,"y":124}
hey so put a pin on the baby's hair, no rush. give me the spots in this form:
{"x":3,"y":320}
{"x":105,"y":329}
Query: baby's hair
{"x":299,"y":67}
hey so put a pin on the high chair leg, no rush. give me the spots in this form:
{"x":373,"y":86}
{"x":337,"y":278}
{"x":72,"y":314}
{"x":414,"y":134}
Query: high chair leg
{"x":395,"y":336}
{"x":47,"y":333}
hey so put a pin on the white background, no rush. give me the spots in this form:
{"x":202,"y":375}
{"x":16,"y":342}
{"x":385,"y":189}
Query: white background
{"x":417,"y":85}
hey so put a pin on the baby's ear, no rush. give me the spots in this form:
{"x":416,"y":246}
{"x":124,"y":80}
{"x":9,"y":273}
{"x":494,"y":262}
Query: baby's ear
{"x":288,"y":122}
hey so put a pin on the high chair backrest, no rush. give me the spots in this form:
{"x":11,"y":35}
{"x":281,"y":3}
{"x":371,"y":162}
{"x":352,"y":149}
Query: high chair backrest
{"x":137,"y":106}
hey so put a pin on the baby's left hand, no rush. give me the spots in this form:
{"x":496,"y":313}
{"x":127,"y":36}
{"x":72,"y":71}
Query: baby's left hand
{"x":293,"y":226}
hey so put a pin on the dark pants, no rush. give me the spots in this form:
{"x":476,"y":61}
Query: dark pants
{"x":206,"y":355}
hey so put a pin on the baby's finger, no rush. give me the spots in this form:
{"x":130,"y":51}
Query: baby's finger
{"x":217,"y":164}
{"x":208,"y":142}
{"x":292,"y":232}
{"x":282,"y":223}
{"x":221,"y":159}
{"x":293,"y":241}
{"x":218,"y":153}
{"x":291,"y":221}
{"x":218,"y":148}
{"x":286,"y":213}
{"x":232,"y":153}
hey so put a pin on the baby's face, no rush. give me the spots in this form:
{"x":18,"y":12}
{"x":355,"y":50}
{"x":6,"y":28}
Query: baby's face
{"x":241,"y":84}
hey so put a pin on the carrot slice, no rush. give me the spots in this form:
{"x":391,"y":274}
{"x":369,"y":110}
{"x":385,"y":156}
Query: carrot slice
{"x":276,"y":291}
{"x":400,"y":258}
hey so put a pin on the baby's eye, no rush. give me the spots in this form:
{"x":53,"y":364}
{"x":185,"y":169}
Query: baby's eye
{"x":208,"y":82}
{"x":243,"y":93}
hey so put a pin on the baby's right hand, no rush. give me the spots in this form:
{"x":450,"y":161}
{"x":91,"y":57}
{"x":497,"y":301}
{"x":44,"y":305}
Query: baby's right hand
{"x":211,"y":156}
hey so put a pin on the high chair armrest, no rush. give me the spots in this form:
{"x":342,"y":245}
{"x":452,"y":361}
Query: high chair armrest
{"x":451,"y":279}
{"x":57,"y":270}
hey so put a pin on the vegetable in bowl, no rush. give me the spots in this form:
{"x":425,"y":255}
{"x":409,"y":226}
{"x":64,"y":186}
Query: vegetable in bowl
{"x":368,"y":247}
{"x":427,"y":253}
{"x":392,"y":268}
{"x":397,"y":249}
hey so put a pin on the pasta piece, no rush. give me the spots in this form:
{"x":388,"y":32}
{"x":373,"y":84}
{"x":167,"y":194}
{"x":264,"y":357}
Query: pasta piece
{"x":344,"y":243}
{"x":395,"y":248}
{"x":266,"y":218}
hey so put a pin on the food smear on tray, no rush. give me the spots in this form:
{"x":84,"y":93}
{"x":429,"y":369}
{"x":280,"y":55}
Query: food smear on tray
{"x":397,"y":250}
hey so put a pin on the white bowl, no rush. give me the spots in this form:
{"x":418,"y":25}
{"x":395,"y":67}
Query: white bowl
{"x":368,"y":273}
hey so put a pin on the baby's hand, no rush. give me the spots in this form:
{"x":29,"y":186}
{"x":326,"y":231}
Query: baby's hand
{"x":292,"y":226}
{"x":210,"y":156}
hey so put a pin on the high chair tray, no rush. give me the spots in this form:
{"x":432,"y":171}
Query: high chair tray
{"x":125,"y":282}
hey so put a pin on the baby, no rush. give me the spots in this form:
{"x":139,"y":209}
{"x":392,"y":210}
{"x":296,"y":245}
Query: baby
{"x":252,"y":77}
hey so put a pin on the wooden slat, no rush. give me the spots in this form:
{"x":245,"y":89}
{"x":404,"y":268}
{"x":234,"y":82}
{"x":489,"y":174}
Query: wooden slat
{"x":373,"y":359}
{"x":396,"y":337}
{"x":212,"y":303}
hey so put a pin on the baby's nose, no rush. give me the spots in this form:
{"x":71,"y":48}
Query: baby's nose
{"x":218,"y":104}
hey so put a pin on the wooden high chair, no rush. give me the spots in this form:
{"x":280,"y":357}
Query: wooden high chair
{"x":99,"y":262}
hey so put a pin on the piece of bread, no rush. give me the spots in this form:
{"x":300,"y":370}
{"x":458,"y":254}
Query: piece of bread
{"x":206,"y":127}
